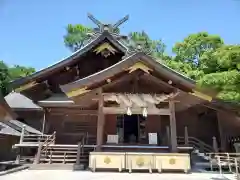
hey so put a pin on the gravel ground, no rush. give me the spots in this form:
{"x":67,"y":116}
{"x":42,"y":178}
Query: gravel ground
{"x":70,"y":175}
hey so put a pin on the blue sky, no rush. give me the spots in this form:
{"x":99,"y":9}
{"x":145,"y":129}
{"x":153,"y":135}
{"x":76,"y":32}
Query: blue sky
{"x":31,"y":31}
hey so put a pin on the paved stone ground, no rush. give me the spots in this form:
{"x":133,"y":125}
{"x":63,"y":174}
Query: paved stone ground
{"x":70,"y":175}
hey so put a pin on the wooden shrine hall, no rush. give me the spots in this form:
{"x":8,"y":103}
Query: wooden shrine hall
{"x":112,"y":105}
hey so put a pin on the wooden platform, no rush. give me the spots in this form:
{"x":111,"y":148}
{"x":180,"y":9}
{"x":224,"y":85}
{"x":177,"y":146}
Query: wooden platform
{"x":105,"y":146}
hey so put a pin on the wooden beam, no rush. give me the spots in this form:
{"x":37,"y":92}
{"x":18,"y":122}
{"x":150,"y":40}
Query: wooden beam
{"x":122,"y":79}
{"x":101,"y":121}
{"x":150,"y":77}
{"x":74,"y":111}
{"x":26,"y":86}
{"x":150,"y":111}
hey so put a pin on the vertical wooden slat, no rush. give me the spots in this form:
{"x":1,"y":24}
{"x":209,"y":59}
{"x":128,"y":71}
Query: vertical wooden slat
{"x":173,"y":128}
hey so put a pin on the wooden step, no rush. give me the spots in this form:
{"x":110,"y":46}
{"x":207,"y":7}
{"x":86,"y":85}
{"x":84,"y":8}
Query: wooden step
{"x":58,"y":160}
{"x":63,"y":148}
{"x":62,"y":156}
{"x":68,"y":152}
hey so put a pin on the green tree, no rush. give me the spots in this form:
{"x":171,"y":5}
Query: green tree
{"x":221,"y":68}
{"x":8,"y":74}
{"x":194,"y":45}
{"x":18,"y":71}
{"x":76,"y":36}
{"x":155,"y":47}
{"x":4,"y":78}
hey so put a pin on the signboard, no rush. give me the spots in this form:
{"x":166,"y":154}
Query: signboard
{"x":152,"y":138}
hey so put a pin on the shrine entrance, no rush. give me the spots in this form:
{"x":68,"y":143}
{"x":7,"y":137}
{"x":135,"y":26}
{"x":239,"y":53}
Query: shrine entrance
{"x":130,"y":128}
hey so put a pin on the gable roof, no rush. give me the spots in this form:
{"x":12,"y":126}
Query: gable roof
{"x":6,"y":108}
{"x":66,"y":61}
{"x":125,"y":64}
{"x":7,"y":130}
{"x":14,"y":127}
{"x":18,"y":101}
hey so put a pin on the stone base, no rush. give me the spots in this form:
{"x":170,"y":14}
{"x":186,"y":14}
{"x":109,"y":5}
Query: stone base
{"x":78,"y":167}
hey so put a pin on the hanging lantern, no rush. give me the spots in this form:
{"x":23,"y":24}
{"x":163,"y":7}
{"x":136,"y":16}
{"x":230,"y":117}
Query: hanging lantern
{"x":144,"y":112}
{"x":129,"y":112}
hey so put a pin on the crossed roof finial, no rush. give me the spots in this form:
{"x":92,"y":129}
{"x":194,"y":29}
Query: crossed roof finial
{"x":110,"y":27}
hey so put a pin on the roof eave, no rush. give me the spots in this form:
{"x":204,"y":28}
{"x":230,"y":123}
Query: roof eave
{"x":124,"y":64}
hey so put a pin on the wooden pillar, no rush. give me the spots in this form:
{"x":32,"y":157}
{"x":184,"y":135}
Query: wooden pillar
{"x":186,"y":136}
{"x":38,"y":155}
{"x":22,"y":134}
{"x":173,"y":126}
{"x":168,"y":136}
{"x":78,"y":154}
{"x":100,"y":122}
{"x":44,"y":121}
{"x":221,"y":132}
{"x":215,"y":144}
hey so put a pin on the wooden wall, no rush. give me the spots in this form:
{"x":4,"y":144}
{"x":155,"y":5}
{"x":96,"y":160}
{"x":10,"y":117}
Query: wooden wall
{"x":31,"y":117}
{"x":70,"y":125}
{"x":6,"y":151}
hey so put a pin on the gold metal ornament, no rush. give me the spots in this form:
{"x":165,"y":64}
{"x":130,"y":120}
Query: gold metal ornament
{"x":140,"y":161}
{"x":107,"y":160}
{"x":172,"y":161}
{"x":140,"y":66}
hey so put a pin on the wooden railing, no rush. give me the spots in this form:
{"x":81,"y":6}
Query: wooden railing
{"x":32,"y":138}
{"x":223,"y":160}
{"x":43,"y":146}
{"x":196,"y":143}
{"x":48,"y":152}
{"x":50,"y":140}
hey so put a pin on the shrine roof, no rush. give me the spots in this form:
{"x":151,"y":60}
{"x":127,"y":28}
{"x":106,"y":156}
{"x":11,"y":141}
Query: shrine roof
{"x":124,"y":65}
{"x":5,"y":106}
{"x":19,"y":101}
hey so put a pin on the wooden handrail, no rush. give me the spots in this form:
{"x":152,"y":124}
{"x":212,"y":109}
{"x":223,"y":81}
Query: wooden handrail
{"x":197,"y":143}
{"x":48,"y":141}
{"x":44,"y":146}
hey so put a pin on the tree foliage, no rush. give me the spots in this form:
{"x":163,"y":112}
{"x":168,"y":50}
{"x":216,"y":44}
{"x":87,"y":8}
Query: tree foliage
{"x":8,"y":74}
{"x":76,"y":36}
